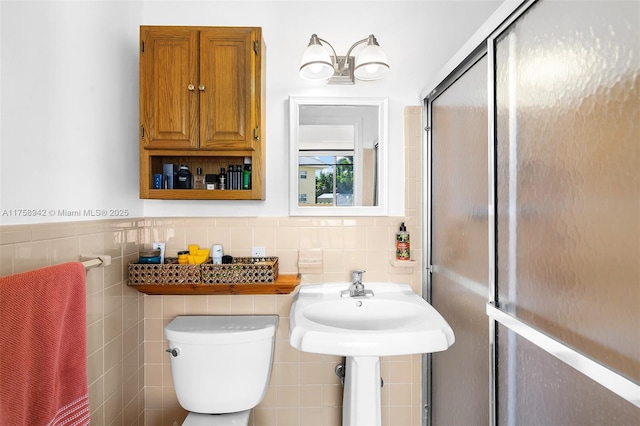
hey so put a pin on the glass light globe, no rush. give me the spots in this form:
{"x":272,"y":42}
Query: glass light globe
{"x":316,"y":63}
{"x":371,"y":63}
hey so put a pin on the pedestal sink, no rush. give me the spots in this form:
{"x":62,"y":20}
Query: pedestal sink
{"x":393,"y":321}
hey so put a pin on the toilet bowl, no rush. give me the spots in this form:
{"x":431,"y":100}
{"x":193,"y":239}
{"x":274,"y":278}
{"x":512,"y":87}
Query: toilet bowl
{"x":221,"y":365}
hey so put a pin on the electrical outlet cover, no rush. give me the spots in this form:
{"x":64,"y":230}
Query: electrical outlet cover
{"x":258,"y":252}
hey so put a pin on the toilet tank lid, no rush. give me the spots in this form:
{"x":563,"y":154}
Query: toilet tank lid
{"x":220,"y":329}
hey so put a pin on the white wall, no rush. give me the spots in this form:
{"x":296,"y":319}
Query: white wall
{"x":69,"y":108}
{"x":69,"y":91}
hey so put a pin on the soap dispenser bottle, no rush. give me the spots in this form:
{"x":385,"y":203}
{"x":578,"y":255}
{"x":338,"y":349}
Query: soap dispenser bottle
{"x":403,"y":244}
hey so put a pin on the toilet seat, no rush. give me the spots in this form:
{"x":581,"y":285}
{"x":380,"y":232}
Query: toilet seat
{"x":240,"y":418}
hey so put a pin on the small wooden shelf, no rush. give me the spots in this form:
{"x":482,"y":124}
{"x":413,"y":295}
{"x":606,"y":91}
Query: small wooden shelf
{"x":284,"y":284}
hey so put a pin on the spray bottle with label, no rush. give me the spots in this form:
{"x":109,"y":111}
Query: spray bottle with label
{"x":403,"y":244}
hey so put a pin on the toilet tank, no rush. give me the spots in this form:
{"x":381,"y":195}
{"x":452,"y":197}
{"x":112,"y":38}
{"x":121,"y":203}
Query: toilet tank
{"x":221,"y":364}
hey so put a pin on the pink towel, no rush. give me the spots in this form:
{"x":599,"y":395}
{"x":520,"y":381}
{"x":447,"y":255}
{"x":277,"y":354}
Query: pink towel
{"x":43,"y":354}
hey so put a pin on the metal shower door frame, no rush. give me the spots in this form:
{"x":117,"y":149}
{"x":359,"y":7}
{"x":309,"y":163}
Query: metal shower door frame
{"x":483,"y":43}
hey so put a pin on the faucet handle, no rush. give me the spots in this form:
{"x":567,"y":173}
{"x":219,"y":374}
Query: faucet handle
{"x":356,"y":276}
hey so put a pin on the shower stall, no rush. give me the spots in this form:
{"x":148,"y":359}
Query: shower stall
{"x":532,"y":211}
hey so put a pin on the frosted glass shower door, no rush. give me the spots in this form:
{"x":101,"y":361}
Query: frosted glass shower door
{"x":459,"y":247}
{"x":568,"y":207}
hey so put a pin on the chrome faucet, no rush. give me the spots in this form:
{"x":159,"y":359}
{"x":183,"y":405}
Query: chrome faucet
{"x":357,"y":288}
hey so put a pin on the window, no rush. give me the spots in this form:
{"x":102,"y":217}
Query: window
{"x":333,"y":178}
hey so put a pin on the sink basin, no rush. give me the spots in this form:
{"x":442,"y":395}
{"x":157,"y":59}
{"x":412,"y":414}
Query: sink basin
{"x":372,"y":314}
{"x":394,"y":321}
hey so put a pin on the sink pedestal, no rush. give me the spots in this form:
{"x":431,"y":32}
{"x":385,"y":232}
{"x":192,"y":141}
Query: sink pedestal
{"x":361,"y":400}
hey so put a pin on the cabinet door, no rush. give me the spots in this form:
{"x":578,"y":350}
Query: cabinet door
{"x":169,"y":88}
{"x":228,"y":95}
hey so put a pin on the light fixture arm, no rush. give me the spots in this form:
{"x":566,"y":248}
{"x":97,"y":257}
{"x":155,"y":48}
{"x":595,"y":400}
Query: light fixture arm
{"x":318,"y":63}
{"x":325,"y":41}
{"x":364,"y":40}
{"x":317,"y":40}
{"x":340,"y":64}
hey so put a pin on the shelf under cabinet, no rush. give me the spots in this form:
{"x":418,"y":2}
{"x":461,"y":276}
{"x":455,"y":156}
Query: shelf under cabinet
{"x":201,"y":194}
{"x":210,"y":162}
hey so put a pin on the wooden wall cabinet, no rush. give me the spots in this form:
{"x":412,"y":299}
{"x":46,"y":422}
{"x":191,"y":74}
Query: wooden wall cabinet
{"x":202,"y":104}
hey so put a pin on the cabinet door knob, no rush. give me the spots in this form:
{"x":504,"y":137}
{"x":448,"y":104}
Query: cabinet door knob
{"x":191,"y":87}
{"x":201,"y":88}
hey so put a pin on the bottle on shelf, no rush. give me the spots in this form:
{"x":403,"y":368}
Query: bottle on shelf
{"x":230,"y":179}
{"x":238,"y":176}
{"x":222,"y":179}
{"x":183,"y":176}
{"x":198,"y":179}
{"x":210,"y":181}
{"x":246,"y":177}
{"x":403,"y":248}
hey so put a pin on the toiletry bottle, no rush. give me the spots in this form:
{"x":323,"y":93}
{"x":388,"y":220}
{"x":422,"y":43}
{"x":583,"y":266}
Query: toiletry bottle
{"x":149,"y":256}
{"x":183,"y":257}
{"x":402,"y":244}
{"x":216,"y":254}
{"x":160,"y":246}
{"x":234,"y":177}
{"x":222,"y":178}
{"x":246,"y":177}
{"x":230,"y":179}
{"x":183,"y":178}
{"x":157,"y":181}
{"x":239,"y":176}
{"x":198,"y":179}
{"x":210,"y":181}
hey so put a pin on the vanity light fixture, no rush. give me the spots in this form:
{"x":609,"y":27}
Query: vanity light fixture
{"x":317,"y":63}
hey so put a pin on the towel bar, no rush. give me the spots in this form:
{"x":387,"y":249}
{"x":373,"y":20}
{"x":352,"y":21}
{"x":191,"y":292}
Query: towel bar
{"x":95,"y":261}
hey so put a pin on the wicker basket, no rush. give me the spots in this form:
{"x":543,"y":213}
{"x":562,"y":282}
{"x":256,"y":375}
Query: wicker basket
{"x":243,"y":270}
{"x":170,"y":273}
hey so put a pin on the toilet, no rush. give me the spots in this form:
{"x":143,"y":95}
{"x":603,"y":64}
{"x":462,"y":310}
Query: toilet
{"x":220,"y":365}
